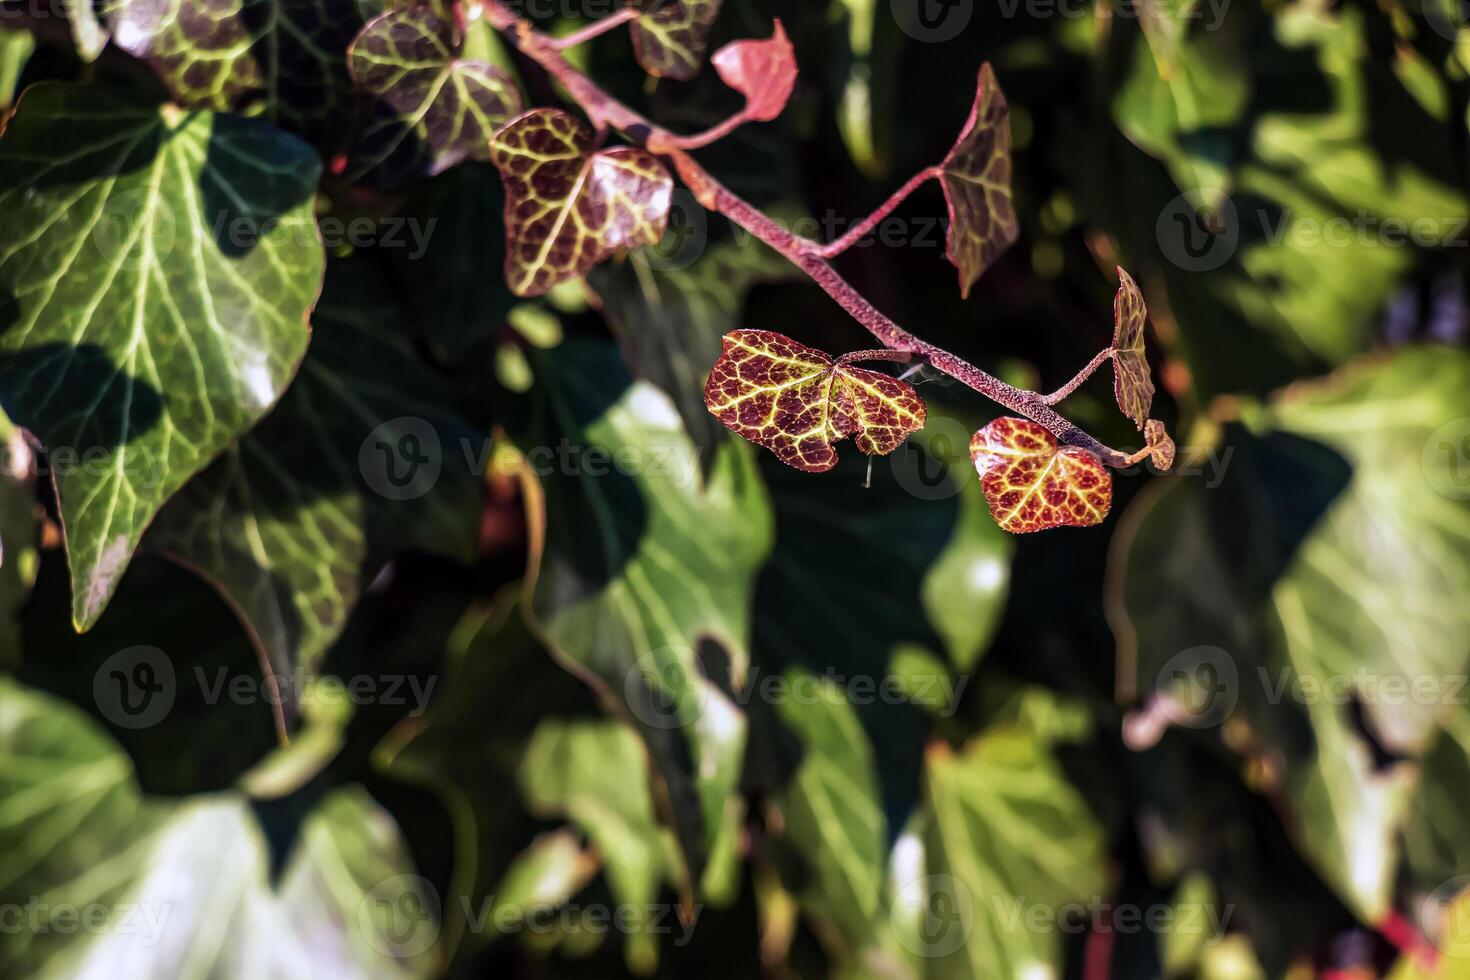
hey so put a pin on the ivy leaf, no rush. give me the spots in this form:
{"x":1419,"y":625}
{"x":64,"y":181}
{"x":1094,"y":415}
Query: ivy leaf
{"x":15,"y":51}
{"x":1161,"y":446}
{"x":976,"y":176}
{"x":1132,"y":384}
{"x":137,"y":326}
{"x":230,"y":55}
{"x":567,"y":209}
{"x":1032,"y":485}
{"x":292,"y":523}
{"x":1263,"y":580}
{"x":796,"y":401}
{"x":646,"y":577}
{"x":670,"y":36}
{"x":192,"y":885}
{"x":1003,"y":820}
{"x":429,"y":108}
{"x":762,"y":71}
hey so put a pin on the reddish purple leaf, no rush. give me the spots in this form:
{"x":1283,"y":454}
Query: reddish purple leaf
{"x":797,"y":401}
{"x":1132,"y":384}
{"x":977,"y":185}
{"x":1032,"y":485}
{"x":670,"y":36}
{"x":567,"y":208}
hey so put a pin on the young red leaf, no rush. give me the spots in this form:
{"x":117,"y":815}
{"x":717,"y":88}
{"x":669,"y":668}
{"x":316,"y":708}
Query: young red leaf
{"x":1132,"y":384}
{"x":977,"y":185}
{"x":429,"y":108}
{"x":567,"y":209}
{"x":1032,"y":485}
{"x":796,"y":401}
{"x":762,"y":71}
{"x":670,"y":36}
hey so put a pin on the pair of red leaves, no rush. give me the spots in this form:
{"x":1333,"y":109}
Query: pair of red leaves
{"x":798,"y":401}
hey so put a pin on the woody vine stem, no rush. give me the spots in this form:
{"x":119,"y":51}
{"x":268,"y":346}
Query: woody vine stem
{"x":606,"y":112}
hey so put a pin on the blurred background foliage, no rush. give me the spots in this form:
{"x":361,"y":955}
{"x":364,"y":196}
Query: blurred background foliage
{"x":588,"y":744}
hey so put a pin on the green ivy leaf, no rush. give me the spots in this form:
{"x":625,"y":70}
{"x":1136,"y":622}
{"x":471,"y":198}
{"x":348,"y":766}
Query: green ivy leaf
{"x":429,"y":107}
{"x":15,"y":51}
{"x":188,"y":885}
{"x":647,"y":574}
{"x":1289,"y":274}
{"x":566,"y":207}
{"x":1263,"y":583}
{"x":510,"y":716}
{"x":294,"y":521}
{"x":140,"y":326}
{"x":670,"y":37}
{"x":584,"y":771}
{"x":976,"y":176}
{"x":843,"y":773}
{"x":1004,"y":834}
{"x":288,"y":56}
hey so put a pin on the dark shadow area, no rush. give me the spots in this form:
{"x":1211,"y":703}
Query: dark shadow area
{"x":252,"y":175}
{"x":45,"y":387}
{"x":200,"y":736}
{"x":839,"y":596}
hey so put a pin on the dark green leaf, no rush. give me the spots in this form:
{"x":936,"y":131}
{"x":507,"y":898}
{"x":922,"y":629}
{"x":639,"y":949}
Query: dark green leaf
{"x":287,"y":56}
{"x":647,"y":574}
{"x":363,"y":456}
{"x":1318,"y":571}
{"x":154,"y":291}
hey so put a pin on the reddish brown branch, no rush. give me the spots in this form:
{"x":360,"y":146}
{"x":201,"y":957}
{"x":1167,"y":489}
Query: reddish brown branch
{"x":605,"y":111}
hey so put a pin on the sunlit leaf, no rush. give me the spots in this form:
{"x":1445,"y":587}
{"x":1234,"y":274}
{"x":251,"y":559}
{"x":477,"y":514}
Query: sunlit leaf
{"x":141,"y":324}
{"x":190,"y":886}
{"x":797,"y":401}
{"x":762,"y":71}
{"x":670,"y":36}
{"x":647,"y":574}
{"x":287,"y":56}
{"x":567,"y":208}
{"x":1317,"y":563}
{"x":1007,"y":833}
{"x":1132,"y":384}
{"x":1032,"y":485}
{"x":977,"y":185}
{"x":428,"y":107}
{"x":15,"y":51}
{"x":294,"y":520}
